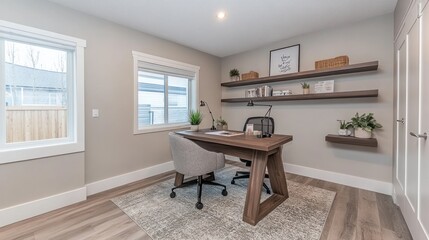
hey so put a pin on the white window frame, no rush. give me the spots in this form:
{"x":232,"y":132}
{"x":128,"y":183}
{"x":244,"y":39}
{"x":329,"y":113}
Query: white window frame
{"x":13,"y":152}
{"x":143,"y":57}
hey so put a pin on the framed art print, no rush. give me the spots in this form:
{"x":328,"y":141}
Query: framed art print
{"x":284,"y":60}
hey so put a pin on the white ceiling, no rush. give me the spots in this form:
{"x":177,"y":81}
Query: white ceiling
{"x":248,"y":23}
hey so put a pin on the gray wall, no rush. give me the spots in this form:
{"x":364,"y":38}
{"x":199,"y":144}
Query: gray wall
{"x":400,"y":11}
{"x":111,"y":147}
{"x":310,"y":121}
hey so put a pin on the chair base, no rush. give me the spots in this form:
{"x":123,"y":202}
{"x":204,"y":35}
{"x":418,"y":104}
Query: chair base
{"x":245,"y":174}
{"x":199,"y":181}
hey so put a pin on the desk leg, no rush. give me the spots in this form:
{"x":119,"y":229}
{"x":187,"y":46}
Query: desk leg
{"x":254,"y":211}
{"x":277,"y":174}
{"x":254,"y":188}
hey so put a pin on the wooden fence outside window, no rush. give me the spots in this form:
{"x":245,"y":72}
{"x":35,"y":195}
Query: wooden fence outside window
{"x":30,"y":123}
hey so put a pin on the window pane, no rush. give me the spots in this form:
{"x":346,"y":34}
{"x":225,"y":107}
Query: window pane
{"x":151,"y":90}
{"x":35,"y":92}
{"x":178,"y":99}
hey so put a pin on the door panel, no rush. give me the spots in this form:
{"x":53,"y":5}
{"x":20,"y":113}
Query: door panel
{"x":401,"y":111}
{"x":424,"y":125}
{"x":412,"y":123}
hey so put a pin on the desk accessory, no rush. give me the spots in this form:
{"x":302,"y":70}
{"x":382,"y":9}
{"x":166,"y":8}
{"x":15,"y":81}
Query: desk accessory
{"x":202,"y":104}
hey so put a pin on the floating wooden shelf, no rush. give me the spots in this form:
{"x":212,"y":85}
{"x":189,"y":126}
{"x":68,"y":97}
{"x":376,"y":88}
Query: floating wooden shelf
{"x":350,"y":94}
{"x":354,"y":68}
{"x":368,"y":142}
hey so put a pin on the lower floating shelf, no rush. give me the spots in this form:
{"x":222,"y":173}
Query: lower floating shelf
{"x":368,"y":142}
{"x":313,"y":96}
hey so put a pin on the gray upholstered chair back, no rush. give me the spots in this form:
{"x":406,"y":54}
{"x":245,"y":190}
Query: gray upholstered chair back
{"x":192,"y":160}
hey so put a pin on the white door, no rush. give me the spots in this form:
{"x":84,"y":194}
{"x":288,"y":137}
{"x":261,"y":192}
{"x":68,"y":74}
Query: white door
{"x":412,"y":123}
{"x":401,"y":55}
{"x":424,"y":125}
{"x":412,"y":158}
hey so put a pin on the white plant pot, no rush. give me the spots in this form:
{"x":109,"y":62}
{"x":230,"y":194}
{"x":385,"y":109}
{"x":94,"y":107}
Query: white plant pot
{"x":195,"y":128}
{"x":235,"y":78}
{"x":360,"y":133}
{"x":306,"y":91}
{"x":344,"y":132}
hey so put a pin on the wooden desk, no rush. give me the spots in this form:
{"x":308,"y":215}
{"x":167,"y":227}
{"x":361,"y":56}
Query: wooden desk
{"x":264,"y":153}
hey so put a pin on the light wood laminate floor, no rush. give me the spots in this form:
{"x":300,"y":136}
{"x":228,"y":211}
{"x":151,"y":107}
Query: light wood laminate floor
{"x":355,"y":214}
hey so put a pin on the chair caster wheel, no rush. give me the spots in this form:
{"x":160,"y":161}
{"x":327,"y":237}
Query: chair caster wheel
{"x":232,"y":181}
{"x":172,"y":194}
{"x":199,"y":205}
{"x":224,"y":192}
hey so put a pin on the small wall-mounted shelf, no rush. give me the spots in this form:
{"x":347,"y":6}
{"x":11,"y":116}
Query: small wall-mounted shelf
{"x":350,"y":94}
{"x":368,"y":142}
{"x":354,"y":68}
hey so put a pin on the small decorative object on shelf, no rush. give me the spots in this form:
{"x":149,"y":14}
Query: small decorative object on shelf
{"x":324,"y":87}
{"x":282,"y":92}
{"x":234,"y":74}
{"x":249,"y":75}
{"x":221,"y":124}
{"x":305,"y":88}
{"x":250,"y":93}
{"x":332,"y":62}
{"x":264,"y":91}
{"x":344,"y":128}
{"x":364,"y":125}
{"x":195,"y":118}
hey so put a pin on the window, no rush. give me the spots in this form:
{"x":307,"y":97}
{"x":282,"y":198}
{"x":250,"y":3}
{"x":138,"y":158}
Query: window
{"x":165,"y":92}
{"x":41,"y":93}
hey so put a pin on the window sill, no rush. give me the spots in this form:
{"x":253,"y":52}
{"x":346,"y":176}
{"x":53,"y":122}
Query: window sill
{"x":161,"y":128}
{"x":41,"y":151}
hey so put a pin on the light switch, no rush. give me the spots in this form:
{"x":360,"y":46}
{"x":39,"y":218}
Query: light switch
{"x":95,"y":113}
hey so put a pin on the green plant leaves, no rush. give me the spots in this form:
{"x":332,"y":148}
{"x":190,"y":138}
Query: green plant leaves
{"x":365,"y":121}
{"x":195,"y":117}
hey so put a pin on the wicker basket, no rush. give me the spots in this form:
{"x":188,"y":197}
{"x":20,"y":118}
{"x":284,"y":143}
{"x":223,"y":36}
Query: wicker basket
{"x":332,"y":62}
{"x":249,"y":75}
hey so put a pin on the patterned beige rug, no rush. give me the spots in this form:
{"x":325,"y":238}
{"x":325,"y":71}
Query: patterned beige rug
{"x":301,"y":216}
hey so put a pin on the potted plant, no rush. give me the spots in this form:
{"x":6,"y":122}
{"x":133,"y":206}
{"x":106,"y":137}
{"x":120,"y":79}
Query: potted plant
{"x":234,"y":74}
{"x":221,"y":124}
{"x":364,"y":125}
{"x":344,"y":128}
{"x":195,"y":118}
{"x":305,"y":88}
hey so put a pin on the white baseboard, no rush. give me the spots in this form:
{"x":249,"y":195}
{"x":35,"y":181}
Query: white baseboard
{"x":340,"y":178}
{"x":30,"y":209}
{"x":116,"y":181}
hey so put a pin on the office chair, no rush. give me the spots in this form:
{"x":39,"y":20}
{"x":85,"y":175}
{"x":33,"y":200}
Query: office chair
{"x":268,"y":127}
{"x":192,"y":160}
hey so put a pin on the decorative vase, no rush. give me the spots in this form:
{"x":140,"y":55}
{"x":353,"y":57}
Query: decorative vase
{"x":344,"y":132}
{"x":361,"y":133}
{"x":305,"y":90}
{"x":195,"y":128}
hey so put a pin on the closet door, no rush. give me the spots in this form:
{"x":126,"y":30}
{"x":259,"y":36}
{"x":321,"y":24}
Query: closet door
{"x":412,"y":123}
{"x":401,"y":63}
{"x":423,"y":214}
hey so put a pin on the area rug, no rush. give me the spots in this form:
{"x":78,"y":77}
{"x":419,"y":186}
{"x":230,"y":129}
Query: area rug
{"x":301,"y":216}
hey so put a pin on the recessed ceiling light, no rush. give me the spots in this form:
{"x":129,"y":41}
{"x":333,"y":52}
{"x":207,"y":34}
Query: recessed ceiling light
{"x":221,"y":15}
